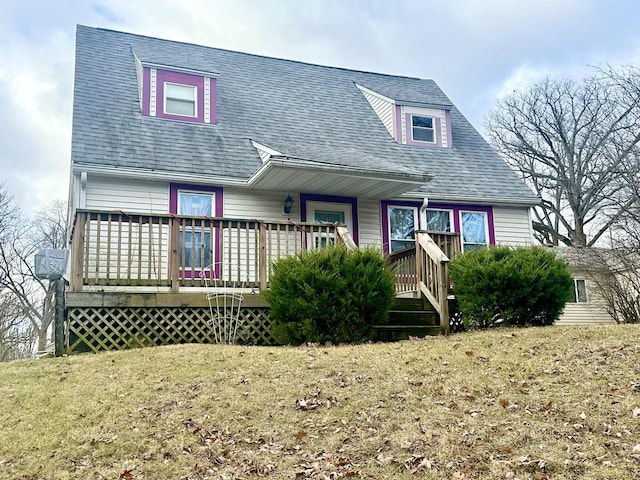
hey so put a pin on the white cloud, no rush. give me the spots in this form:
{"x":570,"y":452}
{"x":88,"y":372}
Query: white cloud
{"x":475,"y":49}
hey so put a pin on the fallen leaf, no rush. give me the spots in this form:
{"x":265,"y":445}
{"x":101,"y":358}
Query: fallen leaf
{"x":469,"y":353}
{"x":126,"y":475}
{"x":301,"y":434}
{"x":636,"y":412}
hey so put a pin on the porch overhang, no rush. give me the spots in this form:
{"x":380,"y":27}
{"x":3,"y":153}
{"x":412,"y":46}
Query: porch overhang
{"x":289,"y":174}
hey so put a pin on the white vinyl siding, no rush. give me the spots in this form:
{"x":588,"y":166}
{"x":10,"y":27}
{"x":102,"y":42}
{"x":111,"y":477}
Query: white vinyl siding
{"x":512,"y":226}
{"x":130,"y":196}
{"x":369,"y":223}
{"x":259,"y":204}
{"x":584,"y":313}
{"x":592,"y":311}
{"x":110,"y":193}
{"x":383,"y":108}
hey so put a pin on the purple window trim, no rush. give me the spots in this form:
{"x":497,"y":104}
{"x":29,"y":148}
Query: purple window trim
{"x":385,"y":204}
{"x":181,"y":79}
{"x":218,"y":211}
{"x":309,"y":197}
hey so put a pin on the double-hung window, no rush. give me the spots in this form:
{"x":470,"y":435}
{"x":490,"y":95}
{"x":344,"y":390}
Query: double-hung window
{"x":438,"y":220}
{"x":474,"y":229}
{"x":180,"y":99}
{"x":403,"y":222}
{"x":422,"y":129}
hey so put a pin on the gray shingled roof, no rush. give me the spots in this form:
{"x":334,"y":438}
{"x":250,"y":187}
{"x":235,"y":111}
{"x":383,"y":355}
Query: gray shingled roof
{"x":302,"y":110}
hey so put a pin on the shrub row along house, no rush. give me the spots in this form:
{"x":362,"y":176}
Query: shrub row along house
{"x":192,"y":163}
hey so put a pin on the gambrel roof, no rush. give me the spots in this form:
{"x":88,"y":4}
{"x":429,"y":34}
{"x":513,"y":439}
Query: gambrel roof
{"x":310,"y":115}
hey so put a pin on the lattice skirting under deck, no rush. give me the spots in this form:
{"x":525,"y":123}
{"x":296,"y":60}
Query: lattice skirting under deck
{"x":92,"y":329}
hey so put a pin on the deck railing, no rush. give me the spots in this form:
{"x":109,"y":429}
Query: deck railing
{"x":404,"y":261}
{"x":111,"y":248}
{"x":424,"y":269}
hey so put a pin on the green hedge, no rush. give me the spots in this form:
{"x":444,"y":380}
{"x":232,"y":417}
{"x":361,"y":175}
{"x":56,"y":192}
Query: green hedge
{"x":329,"y":295}
{"x":510,"y":286}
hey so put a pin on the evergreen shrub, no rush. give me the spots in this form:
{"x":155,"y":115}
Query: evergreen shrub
{"x":510,"y":286}
{"x":329,"y":295}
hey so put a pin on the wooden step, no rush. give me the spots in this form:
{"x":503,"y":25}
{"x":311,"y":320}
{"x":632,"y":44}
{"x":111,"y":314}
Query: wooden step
{"x":403,"y":332}
{"x":413,"y":317}
{"x":404,"y":303}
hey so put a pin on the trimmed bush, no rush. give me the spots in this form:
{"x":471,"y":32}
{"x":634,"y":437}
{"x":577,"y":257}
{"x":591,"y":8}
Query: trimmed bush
{"x":329,"y":295}
{"x":510,"y":286}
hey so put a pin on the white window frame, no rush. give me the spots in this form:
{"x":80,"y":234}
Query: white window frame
{"x":424,"y":223}
{"x":433,"y":128}
{"x":344,"y":208}
{"x":416,"y":225}
{"x":576,"y":290}
{"x":193,"y":88}
{"x":486,"y":228}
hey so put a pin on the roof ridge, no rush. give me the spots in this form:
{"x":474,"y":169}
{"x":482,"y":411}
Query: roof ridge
{"x":237,"y":52}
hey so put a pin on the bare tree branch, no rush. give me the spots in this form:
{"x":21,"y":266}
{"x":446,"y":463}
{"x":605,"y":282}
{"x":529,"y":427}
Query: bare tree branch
{"x":577,"y":145}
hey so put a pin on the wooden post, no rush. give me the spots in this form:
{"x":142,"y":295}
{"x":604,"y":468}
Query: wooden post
{"x":58,"y":320}
{"x":443,"y":293}
{"x":419,"y":262}
{"x":262,"y":256}
{"x":174,"y":252}
{"x":77,"y":252}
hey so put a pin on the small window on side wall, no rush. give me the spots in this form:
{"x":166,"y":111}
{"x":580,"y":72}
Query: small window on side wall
{"x":579,"y":290}
{"x":422,"y":129}
{"x":180,"y":99}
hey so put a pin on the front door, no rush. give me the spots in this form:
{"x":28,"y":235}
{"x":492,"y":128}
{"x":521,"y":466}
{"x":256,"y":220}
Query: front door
{"x":329,"y":212}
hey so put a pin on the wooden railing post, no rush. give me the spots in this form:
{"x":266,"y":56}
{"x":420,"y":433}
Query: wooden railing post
{"x":262,"y":256}
{"x":419,"y":262}
{"x":443,"y":294}
{"x":174,"y":252}
{"x":77,"y":253}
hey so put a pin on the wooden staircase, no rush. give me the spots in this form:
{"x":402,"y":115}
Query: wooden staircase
{"x":409,"y":317}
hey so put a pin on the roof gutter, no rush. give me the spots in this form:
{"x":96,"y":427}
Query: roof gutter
{"x":126,"y":172}
{"x":466,"y":200}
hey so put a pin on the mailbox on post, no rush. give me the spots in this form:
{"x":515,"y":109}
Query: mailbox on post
{"x":51,"y":264}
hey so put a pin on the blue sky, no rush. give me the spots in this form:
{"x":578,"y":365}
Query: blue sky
{"x":476,"y":50}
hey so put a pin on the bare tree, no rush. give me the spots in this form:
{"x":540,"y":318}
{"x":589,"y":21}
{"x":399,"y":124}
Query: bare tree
{"x":27,"y":301}
{"x":576,"y":144}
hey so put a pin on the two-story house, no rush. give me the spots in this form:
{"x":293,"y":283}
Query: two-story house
{"x":191,"y":162}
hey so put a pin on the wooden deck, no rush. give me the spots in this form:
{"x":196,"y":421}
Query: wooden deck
{"x":143,"y":279}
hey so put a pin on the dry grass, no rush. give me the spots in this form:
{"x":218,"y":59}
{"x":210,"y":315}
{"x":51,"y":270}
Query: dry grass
{"x":555,"y":402}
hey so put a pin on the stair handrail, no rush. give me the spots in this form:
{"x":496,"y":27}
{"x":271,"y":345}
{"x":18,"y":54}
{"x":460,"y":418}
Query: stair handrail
{"x":432,"y":270}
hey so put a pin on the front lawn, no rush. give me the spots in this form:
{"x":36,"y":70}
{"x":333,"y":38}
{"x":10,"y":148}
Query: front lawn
{"x":537,"y":403}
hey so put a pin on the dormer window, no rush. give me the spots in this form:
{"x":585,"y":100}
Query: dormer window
{"x":412,"y":122}
{"x":180,"y":99}
{"x":422,"y":129}
{"x":187,"y":96}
